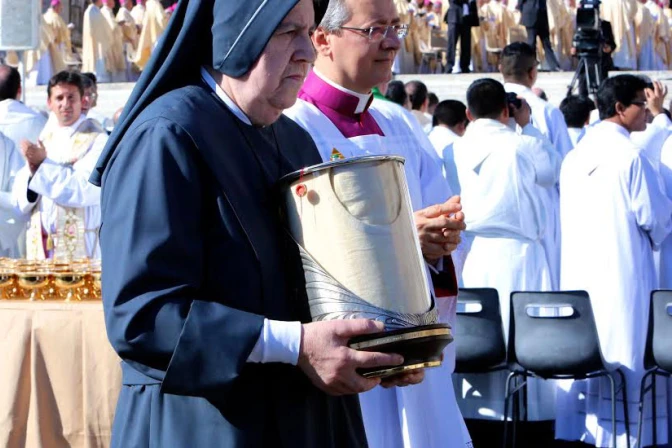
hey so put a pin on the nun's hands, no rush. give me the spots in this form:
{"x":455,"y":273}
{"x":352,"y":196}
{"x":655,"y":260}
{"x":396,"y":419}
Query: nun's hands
{"x":331,"y":365}
{"x":439,"y":228}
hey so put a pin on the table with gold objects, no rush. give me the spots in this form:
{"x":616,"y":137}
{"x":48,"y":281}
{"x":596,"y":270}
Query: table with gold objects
{"x":60,"y":377}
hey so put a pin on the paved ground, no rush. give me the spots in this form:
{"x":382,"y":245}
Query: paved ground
{"x":113,"y":96}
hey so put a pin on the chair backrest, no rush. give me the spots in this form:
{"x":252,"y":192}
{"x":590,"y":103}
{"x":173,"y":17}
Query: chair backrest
{"x":660,"y":331}
{"x":479,"y":336}
{"x":554,"y":333}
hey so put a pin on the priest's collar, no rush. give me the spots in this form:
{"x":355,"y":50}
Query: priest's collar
{"x":233,"y":107}
{"x":515,"y":88}
{"x":56,"y":128}
{"x":338,"y":98}
{"x":614,"y":127}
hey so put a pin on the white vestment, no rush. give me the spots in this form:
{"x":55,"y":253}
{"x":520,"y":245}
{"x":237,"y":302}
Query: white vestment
{"x":613,"y":214}
{"x":442,"y":140}
{"x":502,"y":175}
{"x":575,"y":134}
{"x":60,"y":183}
{"x":551,"y":123}
{"x":653,"y":144}
{"x":10,"y":224}
{"x":665,"y":257}
{"x":138,"y":13}
{"x":424,"y":415}
{"x":19,"y":122}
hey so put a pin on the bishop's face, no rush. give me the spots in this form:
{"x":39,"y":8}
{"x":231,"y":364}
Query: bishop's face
{"x":360,"y":60}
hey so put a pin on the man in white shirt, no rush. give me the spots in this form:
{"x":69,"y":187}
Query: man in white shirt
{"x":52,"y":190}
{"x":418,"y":95}
{"x":501,"y":174}
{"x":613,"y":216}
{"x":449,"y":124}
{"x":519,"y":67}
{"x":576,"y":110}
{"x":17,"y":122}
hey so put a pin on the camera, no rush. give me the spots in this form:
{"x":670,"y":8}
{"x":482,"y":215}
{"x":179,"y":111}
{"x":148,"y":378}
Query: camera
{"x":513,"y":103}
{"x":588,"y":39}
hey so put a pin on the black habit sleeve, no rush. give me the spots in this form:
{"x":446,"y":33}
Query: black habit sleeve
{"x":159,"y":317}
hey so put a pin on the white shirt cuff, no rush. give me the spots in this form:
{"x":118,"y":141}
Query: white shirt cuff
{"x":278,"y":342}
{"x":438,"y":267}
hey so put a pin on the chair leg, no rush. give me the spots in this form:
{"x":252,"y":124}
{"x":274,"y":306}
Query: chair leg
{"x":506,"y":408}
{"x":525,"y":400}
{"x":654,"y":422}
{"x":516,"y":411}
{"x":612,"y":384}
{"x":626,"y":410}
{"x":642,"y":392}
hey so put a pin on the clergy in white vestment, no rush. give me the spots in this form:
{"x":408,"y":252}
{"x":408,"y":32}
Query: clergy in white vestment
{"x":621,"y":15}
{"x":418,"y":96}
{"x":52,"y":192}
{"x":644,"y":32}
{"x":661,"y":36}
{"x":519,"y":68}
{"x":138,"y":13}
{"x":117,"y":57}
{"x":652,"y":144}
{"x":576,"y":111}
{"x":665,"y":256}
{"x":502,"y":175}
{"x":336,"y":107}
{"x":449,"y":124}
{"x":17,"y":121}
{"x":61,"y":48}
{"x":97,"y":43}
{"x":613,"y":215}
{"x":38,"y":62}
{"x":129,"y":29}
{"x":10,"y":226}
{"x":153,"y":24}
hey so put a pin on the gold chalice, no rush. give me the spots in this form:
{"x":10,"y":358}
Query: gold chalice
{"x":94,"y":285}
{"x":69,"y":282}
{"x":7,"y":284}
{"x":34,"y":282}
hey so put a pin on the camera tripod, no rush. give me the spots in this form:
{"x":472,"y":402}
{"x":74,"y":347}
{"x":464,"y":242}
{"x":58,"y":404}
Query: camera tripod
{"x":588,"y":75}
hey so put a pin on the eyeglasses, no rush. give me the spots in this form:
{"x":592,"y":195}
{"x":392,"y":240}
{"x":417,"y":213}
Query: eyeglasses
{"x":378,"y":33}
{"x":638,"y":103}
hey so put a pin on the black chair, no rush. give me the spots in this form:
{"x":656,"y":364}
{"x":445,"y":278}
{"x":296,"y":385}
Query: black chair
{"x":479,"y":336}
{"x":657,"y":355}
{"x":552,"y":335}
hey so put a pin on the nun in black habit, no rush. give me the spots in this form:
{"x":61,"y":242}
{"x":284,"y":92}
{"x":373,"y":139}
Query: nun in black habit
{"x":202,"y":292}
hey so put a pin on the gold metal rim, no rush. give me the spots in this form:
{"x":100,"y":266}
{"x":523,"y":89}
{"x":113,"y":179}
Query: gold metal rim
{"x":400,"y":337}
{"x":401,"y":369}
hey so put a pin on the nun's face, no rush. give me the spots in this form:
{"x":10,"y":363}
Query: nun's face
{"x":273,"y":83}
{"x":355,"y":57}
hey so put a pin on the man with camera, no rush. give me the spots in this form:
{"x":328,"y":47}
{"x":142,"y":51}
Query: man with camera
{"x":519,"y":68}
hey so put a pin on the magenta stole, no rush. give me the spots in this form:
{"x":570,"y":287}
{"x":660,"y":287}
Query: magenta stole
{"x":339,"y":107}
